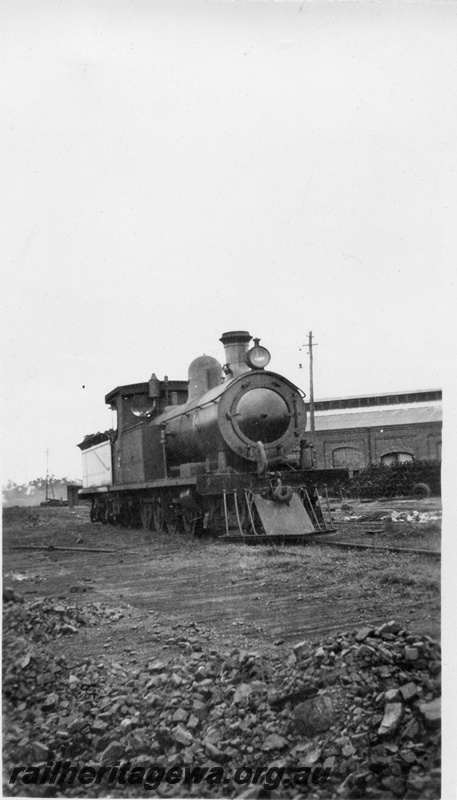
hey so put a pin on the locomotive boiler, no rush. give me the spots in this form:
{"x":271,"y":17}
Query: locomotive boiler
{"x":223,"y":452}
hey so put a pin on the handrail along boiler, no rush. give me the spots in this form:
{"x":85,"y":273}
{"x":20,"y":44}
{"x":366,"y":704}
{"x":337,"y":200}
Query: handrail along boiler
{"x":214,"y":453}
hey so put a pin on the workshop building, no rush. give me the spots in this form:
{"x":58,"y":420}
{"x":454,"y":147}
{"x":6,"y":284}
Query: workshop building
{"x":354,"y":432}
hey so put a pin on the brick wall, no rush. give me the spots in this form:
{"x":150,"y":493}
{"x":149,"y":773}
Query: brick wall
{"x":423,"y":441}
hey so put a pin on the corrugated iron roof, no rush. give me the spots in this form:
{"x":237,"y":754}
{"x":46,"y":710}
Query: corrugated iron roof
{"x":378,"y":394}
{"x":413,"y":414}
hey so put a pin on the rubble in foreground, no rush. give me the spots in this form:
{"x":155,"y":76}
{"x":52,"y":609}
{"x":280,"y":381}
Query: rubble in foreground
{"x":363,"y":705}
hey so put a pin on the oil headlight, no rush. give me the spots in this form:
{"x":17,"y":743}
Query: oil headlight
{"x":258,"y":357}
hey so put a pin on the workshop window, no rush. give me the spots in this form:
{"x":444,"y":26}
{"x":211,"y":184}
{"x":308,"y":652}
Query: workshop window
{"x":396,"y":458}
{"x":348,"y":458}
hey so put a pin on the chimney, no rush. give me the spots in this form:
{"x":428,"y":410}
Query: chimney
{"x":236,"y":345}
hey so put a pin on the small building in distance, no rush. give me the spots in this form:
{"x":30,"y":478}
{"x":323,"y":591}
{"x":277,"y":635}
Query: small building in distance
{"x":354,"y":432}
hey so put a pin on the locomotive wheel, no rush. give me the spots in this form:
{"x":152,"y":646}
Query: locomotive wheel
{"x":126,"y":517}
{"x":147,"y":515}
{"x":105,"y":513}
{"x":189,"y":523}
{"x":98,"y":511}
{"x":171,"y":518}
{"x":112,"y":516}
{"x":172,"y":524}
{"x":158,"y":516}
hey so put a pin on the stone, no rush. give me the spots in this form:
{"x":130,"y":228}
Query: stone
{"x":40,"y":751}
{"x":385,"y":654}
{"x":200,"y":709}
{"x":431,"y":713}
{"x":411,"y":730}
{"x":314,"y":715}
{"x":310,"y":755}
{"x":113,"y":752}
{"x":126,"y":725}
{"x":77,"y":724}
{"x":384,"y":671}
{"x":407,"y":756}
{"x":213,"y":752}
{"x":274,"y":742}
{"x":157,"y":666}
{"x":394,"y":784}
{"x":411,"y":653}
{"x":361,"y":739}
{"x":182,"y":736}
{"x":180,"y":715}
{"x":164,"y":738}
{"x":258,"y":686}
{"x":392,"y":694}
{"x":409,"y":691}
{"x":391,"y":747}
{"x":378,"y":759}
{"x":10,"y":596}
{"x":242,"y":692}
{"x":415,"y":782}
{"x":68,"y":630}
{"x":213,"y":735}
{"x":98,"y":726}
{"x":302,"y":649}
{"x":362,"y":634}
{"x":251,"y":794}
{"x":360,"y":778}
{"x":307,"y":752}
{"x":393,"y":713}
{"x":193,"y":722}
{"x":51,"y":702}
{"x":156,"y":680}
{"x":388,"y":627}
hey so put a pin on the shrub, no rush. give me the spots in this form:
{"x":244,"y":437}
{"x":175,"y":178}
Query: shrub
{"x":379,"y":480}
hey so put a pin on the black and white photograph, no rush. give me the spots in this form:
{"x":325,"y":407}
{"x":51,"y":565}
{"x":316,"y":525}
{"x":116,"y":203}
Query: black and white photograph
{"x":228,"y":271}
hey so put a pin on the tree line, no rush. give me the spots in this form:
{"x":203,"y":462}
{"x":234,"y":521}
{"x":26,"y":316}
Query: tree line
{"x":34,"y":492}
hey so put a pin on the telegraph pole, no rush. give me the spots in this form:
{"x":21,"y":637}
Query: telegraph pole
{"x":311,"y":344}
{"x":47,"y":473}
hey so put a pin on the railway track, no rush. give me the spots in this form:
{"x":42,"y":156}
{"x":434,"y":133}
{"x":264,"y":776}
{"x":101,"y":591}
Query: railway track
{"x":382,"y":548}
{"x":318,"y":539}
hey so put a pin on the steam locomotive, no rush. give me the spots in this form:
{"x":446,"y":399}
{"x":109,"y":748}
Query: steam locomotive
{"x":223,"y":453}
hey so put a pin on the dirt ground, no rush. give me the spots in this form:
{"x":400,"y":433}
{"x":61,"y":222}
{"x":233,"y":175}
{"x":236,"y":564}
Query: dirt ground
{"x":166,"y":591}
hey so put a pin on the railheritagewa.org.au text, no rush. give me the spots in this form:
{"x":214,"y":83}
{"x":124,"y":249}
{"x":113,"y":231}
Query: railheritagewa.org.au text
{"x":123,"y":773}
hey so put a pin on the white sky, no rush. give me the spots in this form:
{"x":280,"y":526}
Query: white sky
{"x":173,"y":170}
